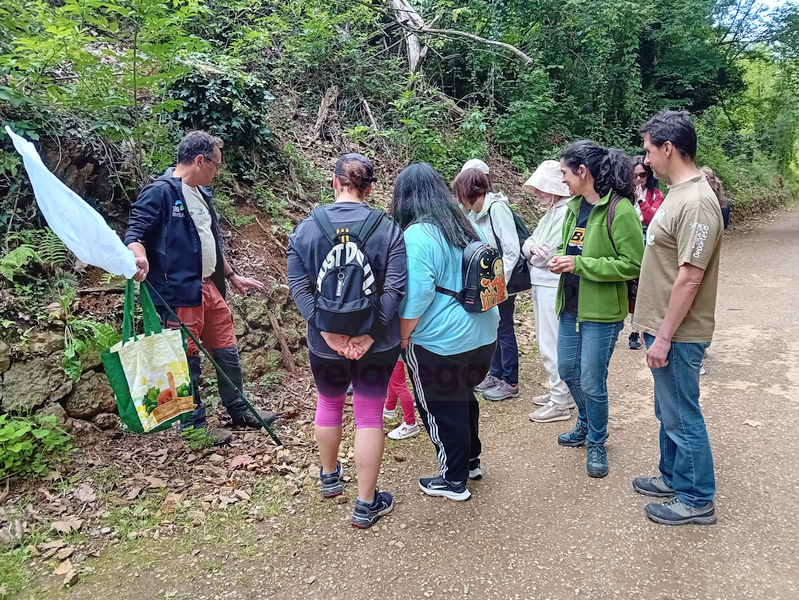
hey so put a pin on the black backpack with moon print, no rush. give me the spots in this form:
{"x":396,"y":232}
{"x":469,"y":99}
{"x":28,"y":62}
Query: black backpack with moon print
{"x":483,"y":279}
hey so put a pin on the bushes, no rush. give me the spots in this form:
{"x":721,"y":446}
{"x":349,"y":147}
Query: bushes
{"x":30,"y":446}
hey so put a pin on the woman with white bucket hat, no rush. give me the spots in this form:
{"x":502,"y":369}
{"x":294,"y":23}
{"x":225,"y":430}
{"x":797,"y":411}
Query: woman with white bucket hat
{"x":547,"y":186}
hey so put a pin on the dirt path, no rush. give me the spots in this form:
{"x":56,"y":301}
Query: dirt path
{"x":537,"y":527}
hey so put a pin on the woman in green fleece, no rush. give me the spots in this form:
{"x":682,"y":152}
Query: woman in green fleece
{"x":600,"y":252}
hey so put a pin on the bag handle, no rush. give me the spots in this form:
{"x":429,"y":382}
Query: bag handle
{"x":150,"y":318}
{"x":128,"y":315}
{"x":152,"y":322}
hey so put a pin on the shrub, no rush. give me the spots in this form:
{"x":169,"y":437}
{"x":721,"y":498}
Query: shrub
{"x":30,"y":446}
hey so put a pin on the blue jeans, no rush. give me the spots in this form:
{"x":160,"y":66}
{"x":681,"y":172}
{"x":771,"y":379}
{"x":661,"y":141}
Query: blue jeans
{"x":686,"y":462}
{"x":583,"y":357}
{"x":505,"y":364}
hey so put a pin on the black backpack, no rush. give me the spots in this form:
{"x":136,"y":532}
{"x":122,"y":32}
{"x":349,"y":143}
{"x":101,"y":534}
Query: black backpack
{"x":346,"y":296}
{"x":483,"y":278}
{"x":520,"y":277}
{"x":632,"y":284}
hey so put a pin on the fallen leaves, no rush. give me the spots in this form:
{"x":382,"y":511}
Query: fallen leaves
{"x":171,"y":502}
{"x":12,"y":533}
{"x":65,"y":553}
{"x":133,"y":492}
{"x":64,"y":568}
{"x":67,"y":525}
{"x":85,"y":493}
{"x":753,"y":423}
{"x":154,"y":482}
{"x":240,"y":461}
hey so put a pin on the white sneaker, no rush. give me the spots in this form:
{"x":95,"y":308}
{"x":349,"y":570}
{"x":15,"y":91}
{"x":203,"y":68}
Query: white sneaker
{"x":550,"y":412}
{"x":542,"y":399}
{"x":702,"y":368}
{"x":570,"y":402}
{"x":389,"y":414}
{"x":404,"y":431}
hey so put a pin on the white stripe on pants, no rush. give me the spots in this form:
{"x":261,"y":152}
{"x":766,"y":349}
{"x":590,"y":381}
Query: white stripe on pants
{"x":546,"y":332}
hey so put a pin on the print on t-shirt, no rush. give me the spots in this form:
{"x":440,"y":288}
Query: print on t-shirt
{"x":571,"y":282}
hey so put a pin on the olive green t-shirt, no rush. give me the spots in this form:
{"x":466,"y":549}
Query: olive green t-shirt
{"x":686,"y":229}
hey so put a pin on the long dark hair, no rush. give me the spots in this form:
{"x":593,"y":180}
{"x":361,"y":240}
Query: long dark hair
{"x":421,"y":196}
{"x":610,"y":168}
{"x":651,"y":182}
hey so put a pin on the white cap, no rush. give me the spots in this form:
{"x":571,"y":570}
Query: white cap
{"x":475,"y":163}
{"x":548,"y":179}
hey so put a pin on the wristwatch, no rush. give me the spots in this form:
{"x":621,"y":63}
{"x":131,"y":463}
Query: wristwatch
{"x":231,"y":274}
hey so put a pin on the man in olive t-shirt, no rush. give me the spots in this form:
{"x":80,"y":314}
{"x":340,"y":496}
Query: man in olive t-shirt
{"x":675,"y":309}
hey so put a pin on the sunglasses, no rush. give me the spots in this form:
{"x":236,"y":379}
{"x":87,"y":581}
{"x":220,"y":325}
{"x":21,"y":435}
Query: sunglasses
{"x":640,"y":175}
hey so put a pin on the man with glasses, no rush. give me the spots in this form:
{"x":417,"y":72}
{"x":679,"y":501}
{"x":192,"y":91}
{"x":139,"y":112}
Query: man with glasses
{"x":173,"y":231}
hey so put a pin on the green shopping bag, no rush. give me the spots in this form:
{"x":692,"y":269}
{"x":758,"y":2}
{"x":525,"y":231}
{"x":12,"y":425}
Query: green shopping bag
{"x":149,"y":374}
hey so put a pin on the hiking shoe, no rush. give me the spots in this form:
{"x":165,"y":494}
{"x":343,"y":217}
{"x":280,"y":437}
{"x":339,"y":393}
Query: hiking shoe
{"x":635,"y":341}
{"x":542,"y":399}
{"x":575,"y":437}
{"x":702,"y":370}
{"x":487,"y":383}
{"x":390,"y":414}
{"x":249,"y":420}
{"x":674,"y":512}
{"x":652,"y":486}
{"x":331,"y":482}
{"x":438,"y":486}
{"x":550,"y":412}
{"x":219,"y":437}
{"x":365,"y":515}
{"x":596,"y":462}
{"x":404,"y":431}
{"x":503,"y":391}
{"x":475,"y":472}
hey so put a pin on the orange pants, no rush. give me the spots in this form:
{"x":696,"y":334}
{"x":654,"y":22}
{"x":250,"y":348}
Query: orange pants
{"x":211,"y":322}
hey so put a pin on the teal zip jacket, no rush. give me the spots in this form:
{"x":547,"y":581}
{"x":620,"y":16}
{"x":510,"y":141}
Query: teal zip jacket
{"x":603,"y":272}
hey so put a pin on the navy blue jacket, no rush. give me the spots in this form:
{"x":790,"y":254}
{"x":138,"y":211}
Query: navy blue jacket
{"x":160,"y":220}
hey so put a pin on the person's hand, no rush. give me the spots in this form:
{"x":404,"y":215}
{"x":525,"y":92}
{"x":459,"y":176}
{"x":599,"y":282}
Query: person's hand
{"x":657,"y":355}
{"x":142,"y":268}
{"x":358,"y":346}
{"x":337,"y":341}
{"x":561,"y":264}
{"x":640,"y":194}
{"x":541,"y":251}
{"x":241,"y":284}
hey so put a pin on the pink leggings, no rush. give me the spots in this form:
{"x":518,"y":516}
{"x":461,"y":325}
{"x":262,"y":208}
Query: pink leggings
{"x":370,"y":378}
{"x":398,"y":388}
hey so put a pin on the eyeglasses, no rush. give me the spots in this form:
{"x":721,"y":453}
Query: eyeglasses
{"x":640,"y":175}
{"x":213,"y":162}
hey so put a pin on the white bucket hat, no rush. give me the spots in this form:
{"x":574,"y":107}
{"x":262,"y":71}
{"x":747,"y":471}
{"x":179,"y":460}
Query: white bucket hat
{"x":475,"y":163}
{"x":548,"y":179}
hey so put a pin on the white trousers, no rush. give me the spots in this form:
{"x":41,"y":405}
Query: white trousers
{"x":546,"y":332}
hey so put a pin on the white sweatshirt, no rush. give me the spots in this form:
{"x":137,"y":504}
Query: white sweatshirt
{"x":549,"y":231}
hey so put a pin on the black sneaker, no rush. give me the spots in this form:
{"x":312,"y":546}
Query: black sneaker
{"x":249,"y":420}
{"x":475,"y":472}
{"x":438,"y":486}
{"x":331,"y":482}
{"x":574,"y":438}
{"x":635,"y":341}
{"x":365,"y":515}
{"x":674,"y":512}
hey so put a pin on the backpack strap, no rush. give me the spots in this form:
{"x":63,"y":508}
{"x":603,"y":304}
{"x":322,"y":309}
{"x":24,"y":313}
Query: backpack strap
{"x":369,"y":226}
{"x":319,"y":215}
{"x":494,"y":231}
{"x":611,"y":216}
{"x":446,"y":292}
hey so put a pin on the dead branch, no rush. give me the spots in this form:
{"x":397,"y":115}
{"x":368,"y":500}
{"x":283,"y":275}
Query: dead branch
{"x":477,"y":38}
{"x":288,"y":359}
{"x":324,"y":108}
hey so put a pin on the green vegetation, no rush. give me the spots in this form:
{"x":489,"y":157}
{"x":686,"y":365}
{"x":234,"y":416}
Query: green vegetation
{"x":30,"y":446}
{"x":196,"y":439}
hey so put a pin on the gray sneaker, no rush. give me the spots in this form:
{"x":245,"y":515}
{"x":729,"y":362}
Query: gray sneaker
{"x":550,"y":412}
{"x":489,"y":382}
{"x":542,"y":399}
{"x":652,"y":486}
{"x":674,"y":512}
{"x":501,"y":392}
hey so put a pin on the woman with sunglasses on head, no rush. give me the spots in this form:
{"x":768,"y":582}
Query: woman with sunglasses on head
{"x":648,"y":199}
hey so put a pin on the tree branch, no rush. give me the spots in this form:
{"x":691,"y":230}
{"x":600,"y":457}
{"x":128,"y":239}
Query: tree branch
{"x":477,"y":38}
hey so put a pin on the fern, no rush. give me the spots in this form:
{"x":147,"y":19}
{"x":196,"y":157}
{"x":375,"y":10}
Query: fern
{"x":12,"y":263}
{"x":52,"y":249}
{"x":81,"y":336}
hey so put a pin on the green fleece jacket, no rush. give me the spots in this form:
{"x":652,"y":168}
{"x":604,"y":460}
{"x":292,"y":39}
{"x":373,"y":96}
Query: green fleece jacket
{"x":603,"y":271}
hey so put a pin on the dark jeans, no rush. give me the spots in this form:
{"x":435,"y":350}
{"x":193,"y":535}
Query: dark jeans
{"x":444,"y":390}
{"x":505,"y":364}
{"x":584,"y":352}
{"x":686,"y":462}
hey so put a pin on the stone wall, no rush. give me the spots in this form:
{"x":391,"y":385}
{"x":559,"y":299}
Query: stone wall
{"x":33,"y":382}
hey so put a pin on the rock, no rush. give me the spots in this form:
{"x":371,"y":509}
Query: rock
{"x":274,"y":359}
{"x":239,"y":324}
{"x":45,"y":342}
{"x":257,"y":312}
{"x":254,"y":365}
{"x":65,"y":553}
{"x":30,"y":384}
{"x":61,"y":417}
{"x":84,"y":433}
{"x":107,"y":421}
{"x":91,"y":397}
{"x":400,"y":545}
{"x":280,"y":293}
{"x":251,"y":341}
{"x":292,"y":337}
{"x":90,"y":361}
{"x":71,"y":578}
{"x":310,"y":580}
{"x":302,"y":358}
{"x":5,"y":357}
{"x":105,"y":530}
{"x":216,"y":459}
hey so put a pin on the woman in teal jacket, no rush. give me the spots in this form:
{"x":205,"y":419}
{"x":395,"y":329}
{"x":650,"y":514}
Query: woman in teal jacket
{"x":599,"y":254}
